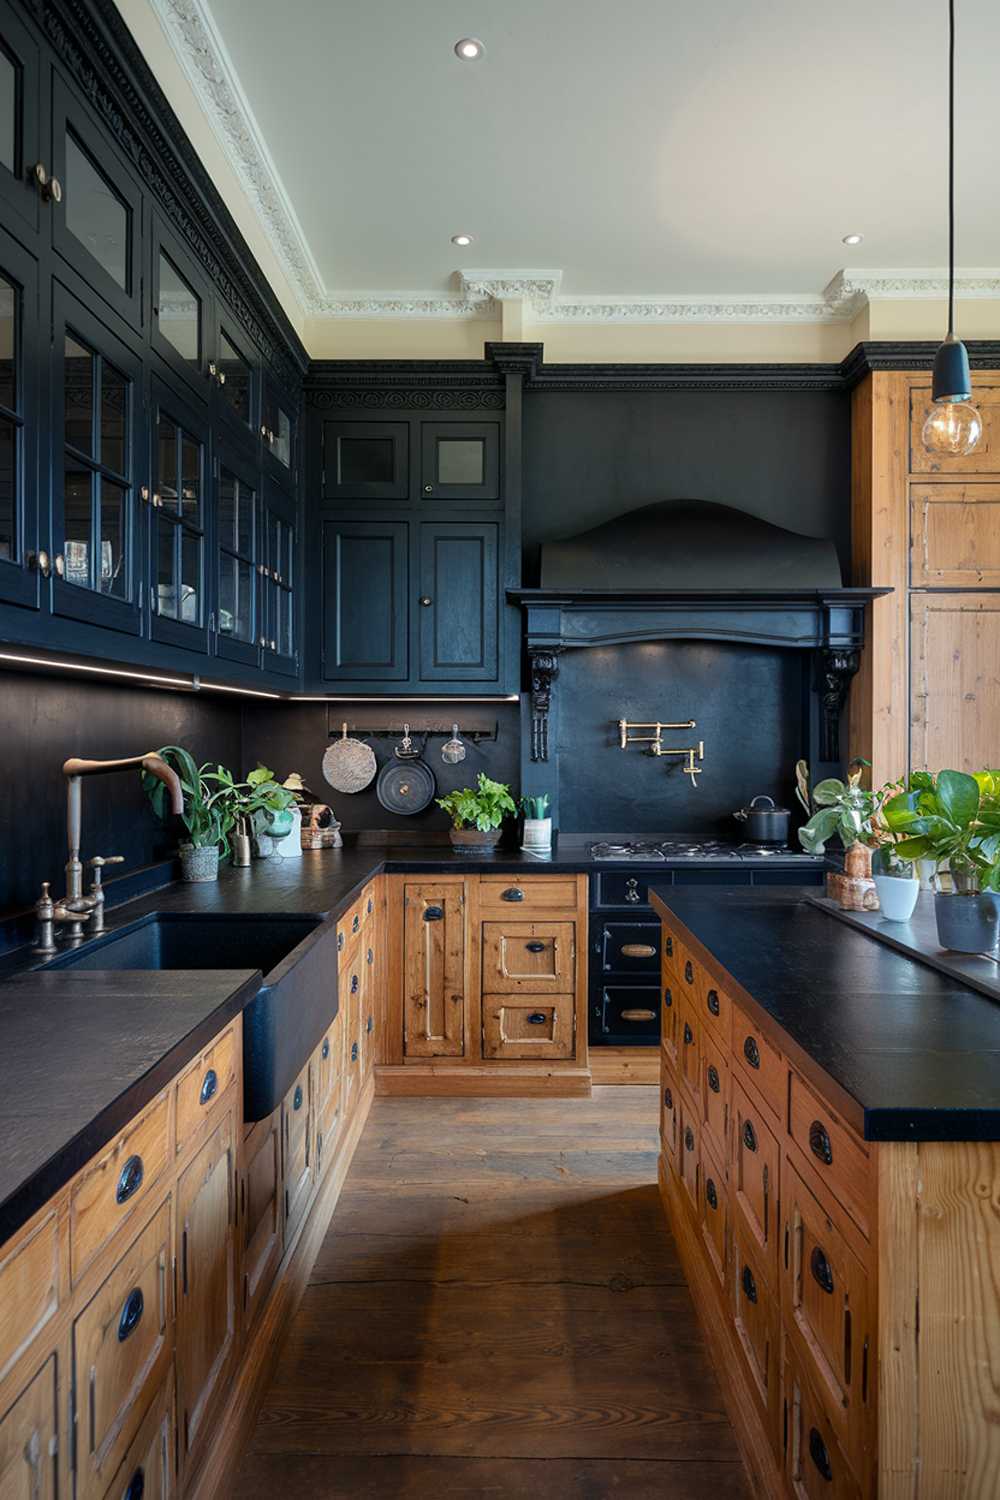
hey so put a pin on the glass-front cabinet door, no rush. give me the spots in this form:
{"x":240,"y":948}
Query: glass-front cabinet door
{"x":22,"y":567}
{"x":278,"y":431}
{"x":96,"y":384}
{"x":238,"y":549}
{"x":24,"y":176}
{"x":277,"y":573}
{"x":235,"y":373}
{"x":177,"y":544}
{"x":460,"y":460}
{"x":181,"y":329}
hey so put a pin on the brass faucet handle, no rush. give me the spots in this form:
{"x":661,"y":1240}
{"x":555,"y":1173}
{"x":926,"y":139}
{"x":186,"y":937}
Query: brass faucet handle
{"x":44,"y":906}
{"x":100,"y":860}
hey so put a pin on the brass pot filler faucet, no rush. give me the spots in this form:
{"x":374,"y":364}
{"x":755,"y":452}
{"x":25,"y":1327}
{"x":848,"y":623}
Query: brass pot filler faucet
{"x":655,"y":742}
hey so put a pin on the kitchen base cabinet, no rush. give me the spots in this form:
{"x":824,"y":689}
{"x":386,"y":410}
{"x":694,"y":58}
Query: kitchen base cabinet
{"x":297,"y":1149}
{"x":147,"y":1470}
{"x":261,"y":1213}
{"x":28,"y":1446}
{"x":435,"y":999}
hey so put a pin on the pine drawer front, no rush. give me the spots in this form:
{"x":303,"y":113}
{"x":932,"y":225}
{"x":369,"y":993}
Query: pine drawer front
{"x":715,"y":1010}
{"x":832,"y":1151}
{"x":670,"y":1014}
{"x":121,"y":1351}
{"x":761,"y":1066}
{"x":714,"y":1199}
{"x":689,"y":1046}
{"x":29,"y":1287}
{"x":755,"y":1168}
{"x":201,"y":1087}
{"x":327,"y":1064}
{"x":715,"y":1097}
{"x":296,"y":1119}
{"x":815,"y":1466}
{"x":757,"y":1321}
{"x":690,"y":1154}
{"x":146,"y":1471}
{"x":29,"y":1457}
{"x":108,"y":1191}
{"x":528,"y":894}
{"x":349,"y":925}
{"x":528,"y":1026}
{"x":826,"y":1307}
{"x":528,"y":957}
{"x":669,"y":1113}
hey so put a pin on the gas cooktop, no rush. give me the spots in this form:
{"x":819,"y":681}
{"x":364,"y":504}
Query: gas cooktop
{"x":694,"y":849}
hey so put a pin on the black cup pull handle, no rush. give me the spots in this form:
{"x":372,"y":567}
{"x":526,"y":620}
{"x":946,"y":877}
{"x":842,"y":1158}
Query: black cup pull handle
{"x":819,"y":1455}
{"x":355,"y":984}
{"x":819,"y":1143}
{"x":512,"y":893}
{"x":668,"y":1098}
{"x":689,"y":972}
{"x":433,"y":913}
{"x":749,"y":1285}
{"x":689,"y":1139}
{"x":822,"y":1272}
{"x":688,"y":1035}
{"x":712,"y":1000}
{"x":354,"y":1052}
{"x":209,"y":1086}
{"x":668,"y":998}
{"x":749,"y":1136}
{"x":537,"y":1018}
{"x":668,"y":947}
{"x":713,"y":1078}
{"x":297,"y":1097}
{"x":751,"y":1052}
{"x":711,"y":1194}
{"x":535,"y":947}
{"x":326,"y":1048}
{"x":129,"y":1179}
{"x":370,"y":1026}
{"x":128,"y":1318}
{"x":136,"y":1487}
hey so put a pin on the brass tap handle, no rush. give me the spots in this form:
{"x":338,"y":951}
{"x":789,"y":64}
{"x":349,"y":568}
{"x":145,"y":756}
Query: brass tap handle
{"x":100,"y":860}
{"x":45,"y":912}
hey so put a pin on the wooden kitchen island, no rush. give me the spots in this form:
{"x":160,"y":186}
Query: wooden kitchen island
{"x":830,"y":1166}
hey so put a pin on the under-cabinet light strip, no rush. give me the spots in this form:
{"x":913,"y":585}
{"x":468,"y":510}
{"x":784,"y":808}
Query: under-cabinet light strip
{"x":62,"y":665}
{"x":397,"y":698}
{"x":221,"y":687}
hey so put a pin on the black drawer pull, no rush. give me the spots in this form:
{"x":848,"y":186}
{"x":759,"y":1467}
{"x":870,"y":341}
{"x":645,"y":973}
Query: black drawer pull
{"x":688,"y":1035}
{"x":713,"y":1078}
{"x":668,"y":946}
{"x":821,"y":1270}
{"x":371,"y":1025}
{"x":711,"y":1194}
{"x":751,"y":1052}
{"x":340,"y":942}
{"x":689,"y":1139}
{"x":819,"y":1143}
{"x":356,"y":923}
{"x":129,"y":1179}
{"x":297,"y":1097}
{"x":354,"y":1052}
{"x":355,"y":984}
{"x":689,"y":972}
{"x":537,"y":1018}
{"x":749,"y":1285}
{"x":668,"y":1098}
{"x":535,"y":947}
{"x":512,"y":893}
{"x":131,"y":1312}
{"x":371,"y":955}
{"x":326,"y":1048}
{"x":712,"y":1001}
{"x":136,"y":1487}
{"x":819,"y":1455}
{"x":749,"y":1136}
{"x":638,"y":950}
{"x":433,"y":913}
{"x":371,"y":906}
{"x":209,"y":1086}
{"x":668,"y":998}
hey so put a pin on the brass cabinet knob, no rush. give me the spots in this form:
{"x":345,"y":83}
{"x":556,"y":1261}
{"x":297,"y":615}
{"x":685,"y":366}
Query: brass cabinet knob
{"x":426,"y":599}
{"x":49,"y":187}
{"x":41,"y":562}
{"x":428,"y":489}
{"x":59,"y":563}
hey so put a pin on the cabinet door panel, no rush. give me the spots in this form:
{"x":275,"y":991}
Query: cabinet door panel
{"x":365,"y":569}
{"x":528,"y":1026}
{"x":755,"y":1159}
{"x":986,"y":457}
{"x":297,"y":1114}
{"x":279,"y":429}
{"x":434,"y":1000}
{"x":181,"y":325}
{"x":366,"y":460}
{"x":239,"y":557}
{"x":954,"y":687}
{"x":955,"y":535}
{"x":529,"y":958}
{"x":278,"y":581}
{"x":261,"y":1212}
{"x":459,"y":625}
{"x":178,"y":561}
{"x":20,"y":361}
{"x":20,"y":123}
{"x":460,"y":460}
{"x":28,"y":1430}
{"x":689,"y":1046}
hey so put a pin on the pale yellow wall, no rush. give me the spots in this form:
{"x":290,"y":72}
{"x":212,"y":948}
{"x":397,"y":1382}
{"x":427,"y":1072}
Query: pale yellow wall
{"x":159,"y":54}
{"x":974,"y":319}
{"x":699,"y":343}
{"x":403,"y":338}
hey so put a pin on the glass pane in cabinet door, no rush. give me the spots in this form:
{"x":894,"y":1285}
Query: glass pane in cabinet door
{"x":461,"y":461}
{"x":190,"y":479}
{"x":179,"y":312}
{"x":95,"y":214}
{"x":367,"y":460}
{"x":8,"y":489}
{"x":77,"y":525}
{"x":245,"y":582}
{"x":284,"y":622}
{"x":167,"y":466}
{"x":8,"y":345}
{"x":8,"y":112}
{"x":114,"y":418}
{"x":244,"y":519}
{"x":228,"y":508}
{"x":166,"y":567}
{"x":190,"y":578}
{"x":282,"y":445}
{"x":78,"y":396}
{"x":236,"y":371}
{"x":227,"y":595}
{"x":111,"y":578}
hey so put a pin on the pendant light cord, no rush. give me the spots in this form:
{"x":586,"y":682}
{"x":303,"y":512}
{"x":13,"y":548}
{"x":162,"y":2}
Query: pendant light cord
{"x":951,"y":169}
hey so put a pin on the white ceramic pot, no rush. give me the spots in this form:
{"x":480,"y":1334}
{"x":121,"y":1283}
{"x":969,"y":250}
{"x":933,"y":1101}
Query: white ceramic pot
{"x":537,"y":834}
{"x":291,"y":845}
{"x":897,"y":896}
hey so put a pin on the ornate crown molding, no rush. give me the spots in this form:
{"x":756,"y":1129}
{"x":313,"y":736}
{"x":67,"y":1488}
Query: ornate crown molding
{"x":850,"y":291}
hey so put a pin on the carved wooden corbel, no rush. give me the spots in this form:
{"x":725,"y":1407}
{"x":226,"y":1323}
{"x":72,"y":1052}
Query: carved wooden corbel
{"x":544,"y":671}
{"x":834,"y":669}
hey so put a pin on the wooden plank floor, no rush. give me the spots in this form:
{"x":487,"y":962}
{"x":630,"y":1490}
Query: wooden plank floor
{"x":498,"y":1310}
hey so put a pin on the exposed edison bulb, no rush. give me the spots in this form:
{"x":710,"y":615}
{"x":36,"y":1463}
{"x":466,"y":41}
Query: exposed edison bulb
{"x":952,"y":428}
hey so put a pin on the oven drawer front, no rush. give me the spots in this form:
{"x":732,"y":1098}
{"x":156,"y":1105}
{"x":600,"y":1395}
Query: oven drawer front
{"x":623,"y":1015}
{"x":617,"y":888}
{"x":628,"y":947}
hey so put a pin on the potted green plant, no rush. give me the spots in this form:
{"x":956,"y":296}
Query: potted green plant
{"x":845,"y":809}
{"x":261,"y":810}
{"x":537,"y":833}
{"x":208,"y":816}
{"x":477,"y":814}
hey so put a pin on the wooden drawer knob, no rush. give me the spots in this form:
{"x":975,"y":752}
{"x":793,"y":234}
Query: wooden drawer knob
{"x":638,"y":950}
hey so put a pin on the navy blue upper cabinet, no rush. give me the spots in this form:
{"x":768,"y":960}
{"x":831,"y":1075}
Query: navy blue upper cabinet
{"x":236,"y":376}
{"x":279,"y":432}
{"x":366,"y":601}
{"x":278,"y":581}
{"x":178,"y":520}
{"x":460,"y":461}
{"x":238,"y":550}
{"x":182,"y":329}
{"x":459,"y":605}
{"x":366,"y":460}
{"x":24,"y":174}
{"x":20,"y":356}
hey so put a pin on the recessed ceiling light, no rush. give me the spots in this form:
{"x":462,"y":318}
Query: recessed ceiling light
{"x":469,"y":49}
{"x":461,"y":239}
{"x":853,"y":239}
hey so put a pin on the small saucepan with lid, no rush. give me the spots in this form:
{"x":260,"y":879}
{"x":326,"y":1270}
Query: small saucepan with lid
{"x":766,"y":823}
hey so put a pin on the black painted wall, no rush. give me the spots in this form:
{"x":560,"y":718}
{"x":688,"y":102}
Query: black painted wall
{"x":47,"y":719}
{"x":782,"y":455}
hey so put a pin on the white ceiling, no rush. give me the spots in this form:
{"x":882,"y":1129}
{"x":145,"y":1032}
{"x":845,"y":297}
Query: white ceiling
{"x":647,"y":148}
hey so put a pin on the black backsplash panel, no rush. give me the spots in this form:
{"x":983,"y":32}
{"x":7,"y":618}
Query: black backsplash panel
{"x":748,"y":703}
{"x":293,"y":737}
{"x":47,"y":719}
{"x":781,"y":455}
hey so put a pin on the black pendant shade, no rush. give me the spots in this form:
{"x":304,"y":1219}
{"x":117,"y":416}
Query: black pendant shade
{"x":951,"y":380}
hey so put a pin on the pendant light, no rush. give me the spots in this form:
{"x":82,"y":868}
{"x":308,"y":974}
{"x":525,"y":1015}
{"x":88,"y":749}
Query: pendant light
{"x":953,"y":427}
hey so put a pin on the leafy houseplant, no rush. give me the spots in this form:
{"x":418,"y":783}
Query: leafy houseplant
{"x":537,"y":833}
{"x":260,"y":806}
{"x":207,"y":816}
{"x":477,"y":813}
{"x":842,"y":808}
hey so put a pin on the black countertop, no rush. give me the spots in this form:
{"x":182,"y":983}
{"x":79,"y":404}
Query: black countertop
{"x":904,"y":1051}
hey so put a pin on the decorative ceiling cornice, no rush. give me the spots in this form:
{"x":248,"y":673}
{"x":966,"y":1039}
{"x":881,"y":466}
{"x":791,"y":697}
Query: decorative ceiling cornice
{"x":850,"y":291}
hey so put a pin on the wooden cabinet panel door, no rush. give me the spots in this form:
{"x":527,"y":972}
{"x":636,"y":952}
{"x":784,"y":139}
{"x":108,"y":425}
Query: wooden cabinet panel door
{"x":206,"y":1289}
{"x":955,"y":680}
{"x":754,"y":1164}
{"x":955,"y":535}
{"x":262,"y":1219}
{"x":985,"y":458}
{"x":365,"y":570}
{"x":459,"y":617}
{"x":28,"y":1438}
{"x":297,"y":1116}
{"x":434,"y":999}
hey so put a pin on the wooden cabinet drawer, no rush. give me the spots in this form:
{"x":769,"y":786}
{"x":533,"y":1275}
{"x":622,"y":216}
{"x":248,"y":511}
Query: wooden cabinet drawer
{"x":296,"y":1112}
{"x":755,"y":1168}
{"x":121,"y":1352}
{"x":670,"y":1013}
{"x":435,"y":1000}
{"x":204,"y":1083}
{"x":689,"y":1134}
{"x":109,"y":1189}
{"x":669,"y":1113}
{"x":349,"y":924}
{"x":761,"y":1065}
{"x":528,"y":957}
{"x":689,"y":1046}
{"x":261,"y":1216}
{"x":29,"y":1287}
{"x":757,"y":1322}
{"x":825,"y":1300}
{"x":815,"y":1466}
{"x":28,"y":1457}
{"x":147,"y":1470}
{"x":833,"y":1152}
{"x":715,"y":1096}
{"x":527,"y":1026}
{"x":714,"y":1213}
{"x":528,"y":893}
{"x":328,"y":1062}
{"x":715,"y":1010}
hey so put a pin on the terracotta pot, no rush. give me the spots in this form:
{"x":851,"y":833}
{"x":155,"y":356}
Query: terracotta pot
{"x":474,"y":840}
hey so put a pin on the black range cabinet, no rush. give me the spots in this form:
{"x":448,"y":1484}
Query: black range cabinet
{"x":624,"y":971}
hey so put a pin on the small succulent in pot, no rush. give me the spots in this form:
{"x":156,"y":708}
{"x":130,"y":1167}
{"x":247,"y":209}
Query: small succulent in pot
{"x":537,"y":823}
{"x":478,"y":812}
